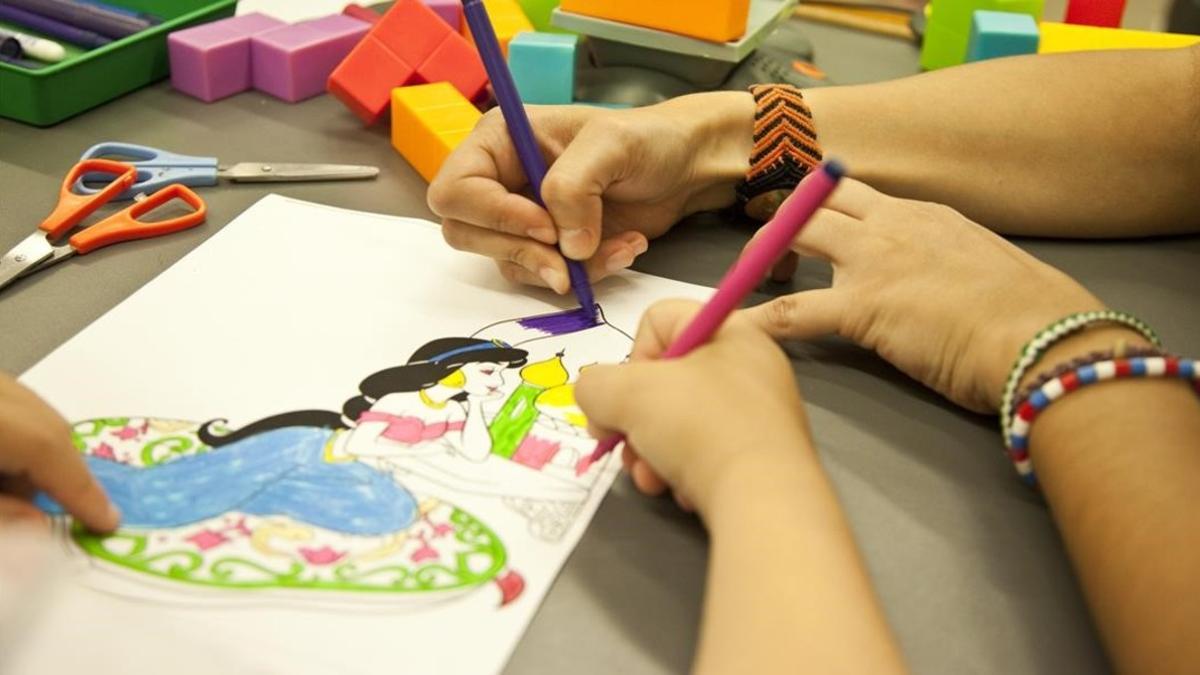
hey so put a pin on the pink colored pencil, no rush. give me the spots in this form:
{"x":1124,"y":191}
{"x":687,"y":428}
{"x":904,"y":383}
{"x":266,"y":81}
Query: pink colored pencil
{"x":746,"y":273}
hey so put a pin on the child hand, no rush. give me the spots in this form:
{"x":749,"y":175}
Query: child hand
{"x":943,"y":299}
{"x":691,"y":421}
{"x":36,"y":453}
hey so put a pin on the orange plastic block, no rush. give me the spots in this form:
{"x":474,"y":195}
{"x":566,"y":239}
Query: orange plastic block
{"x":713,"y":20}
{"x":508,"y":19}
{"x":428,"y":121}
{"x":409,"y":45}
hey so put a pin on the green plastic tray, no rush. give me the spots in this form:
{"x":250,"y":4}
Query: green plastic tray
{"x":85,"y":79}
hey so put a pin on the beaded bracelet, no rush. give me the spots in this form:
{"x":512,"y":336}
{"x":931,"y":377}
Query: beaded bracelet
{"x":1047,"y":337}
{"x":1120,"y":352}
{"x":1056,"y":388}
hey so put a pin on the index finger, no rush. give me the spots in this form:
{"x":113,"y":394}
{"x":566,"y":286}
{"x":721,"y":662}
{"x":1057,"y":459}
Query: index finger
{"x":60,"y":471}
{"x":479,"y":184}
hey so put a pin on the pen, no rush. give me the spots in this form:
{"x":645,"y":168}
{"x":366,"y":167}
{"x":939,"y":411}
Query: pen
{"x":519,"y":129}
{"x":88,"y":17}
{"x":55,"y":29}
{"x":745,"y":273}
{"x":38,"y":48}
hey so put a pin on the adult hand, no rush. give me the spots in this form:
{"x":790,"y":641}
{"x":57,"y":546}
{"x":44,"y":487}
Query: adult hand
{"x":693,"y":421}
{"x":36,"y":453}
{"x":616,"y":180}
{"x":942,"y":298}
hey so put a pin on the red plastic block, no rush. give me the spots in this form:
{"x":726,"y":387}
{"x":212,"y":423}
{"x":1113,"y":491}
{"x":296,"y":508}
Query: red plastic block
{"x":409,"y":45}
{"x":1102,"y":13}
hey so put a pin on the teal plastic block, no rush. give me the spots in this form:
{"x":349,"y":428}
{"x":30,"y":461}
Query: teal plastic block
{"x":996,"y":34}
{"x":543,"y":66}
{"x":948,"y":32}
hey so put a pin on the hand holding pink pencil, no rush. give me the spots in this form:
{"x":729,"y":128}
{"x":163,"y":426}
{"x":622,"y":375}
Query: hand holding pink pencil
{"x":745,"y":274}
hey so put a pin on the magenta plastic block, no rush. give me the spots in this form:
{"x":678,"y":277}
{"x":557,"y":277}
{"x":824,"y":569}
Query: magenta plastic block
{"x":212,"y":61}
{"x":293,"y":62}
{"x":449,"y":10}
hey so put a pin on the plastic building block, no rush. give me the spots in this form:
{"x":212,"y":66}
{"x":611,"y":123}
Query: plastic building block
{"x":1103,"y":13}
{"x":409,"y":45}
{"x":538,"y":13}
{"x":362,"y":13}
{"x":212,"y":61}
{"x":996,"y":34}
{"x":1065,"y":37}
{"x":428,"y":121}
{"x":712,"y":20}
{"x":948,"y":30}
{"x":449,"y":10}
{"x":543,"y":67}
{"x":293,"y":62}
{"x":507,"y":18}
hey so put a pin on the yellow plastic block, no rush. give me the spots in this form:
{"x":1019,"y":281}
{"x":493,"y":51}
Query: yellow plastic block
{"x":713,"y":20}
{"x":1066,"y":37}
{"x":508,"y":19}
{"x":428,"y":121}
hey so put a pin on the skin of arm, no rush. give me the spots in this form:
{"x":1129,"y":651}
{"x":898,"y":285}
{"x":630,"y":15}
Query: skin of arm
{"x":805,"y":604}
{"x":1119,"y":464}
{"x":1094,"y":144}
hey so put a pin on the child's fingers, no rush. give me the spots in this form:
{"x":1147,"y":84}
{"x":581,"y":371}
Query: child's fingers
{"x":802,"y":316}
{"x":646,"y":480}
{"x":62,"y":474}
{"x":15,"y":510}
{"x":659,"y":326}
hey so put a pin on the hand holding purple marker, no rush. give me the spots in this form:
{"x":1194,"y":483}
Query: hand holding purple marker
{"x":520,"y":130}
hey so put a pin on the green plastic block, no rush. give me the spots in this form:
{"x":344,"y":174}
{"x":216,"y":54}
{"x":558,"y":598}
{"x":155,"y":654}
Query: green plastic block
{"x":538,"y":12}
{"x":543,"y":66}
{"x":948,"y":32}
{"x":997,"y":34}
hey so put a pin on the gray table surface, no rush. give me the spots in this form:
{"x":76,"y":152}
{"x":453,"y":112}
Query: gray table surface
{"x":967,"y":562}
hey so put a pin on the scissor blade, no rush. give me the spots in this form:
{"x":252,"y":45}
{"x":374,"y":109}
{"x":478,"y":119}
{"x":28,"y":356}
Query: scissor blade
{"x":24,"y":256}
{"x":261,"y":172}
{"x":57,"y":255}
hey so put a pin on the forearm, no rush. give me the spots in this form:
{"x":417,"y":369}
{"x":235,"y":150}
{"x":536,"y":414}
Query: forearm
{"x":1119,"y":464}
{"x":787,"y":591}
{"x":1079,"y":145}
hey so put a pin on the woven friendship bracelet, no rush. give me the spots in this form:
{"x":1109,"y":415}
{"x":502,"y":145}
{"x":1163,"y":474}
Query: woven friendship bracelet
{"x":1056,"y":388}
{"x":1050,"y":335}
{"x":785,"y":149}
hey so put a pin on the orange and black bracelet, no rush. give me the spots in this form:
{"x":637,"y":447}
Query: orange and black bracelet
{"x":785,"y":149}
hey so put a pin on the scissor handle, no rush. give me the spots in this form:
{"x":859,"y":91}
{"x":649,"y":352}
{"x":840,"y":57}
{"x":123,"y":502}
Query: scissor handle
{"x":73,"y":208}
{"x":156,"y":168}
{"x":125,"y":226}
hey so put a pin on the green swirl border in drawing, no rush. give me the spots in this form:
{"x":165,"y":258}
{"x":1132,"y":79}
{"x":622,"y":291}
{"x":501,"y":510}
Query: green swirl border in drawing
{"x":127,"y":549}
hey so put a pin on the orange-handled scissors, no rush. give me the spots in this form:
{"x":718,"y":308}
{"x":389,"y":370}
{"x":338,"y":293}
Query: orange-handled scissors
{"x":41,"y":250}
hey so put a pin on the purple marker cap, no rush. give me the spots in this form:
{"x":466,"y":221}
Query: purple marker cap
{"x":519,"y":129}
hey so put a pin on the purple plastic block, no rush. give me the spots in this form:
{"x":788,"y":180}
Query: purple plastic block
{"x":449,"y":10}
{"x":212,"y":61}
{"x":293,"y":62}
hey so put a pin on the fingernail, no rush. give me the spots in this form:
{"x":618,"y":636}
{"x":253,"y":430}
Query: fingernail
{"x":575,"y":242}
{"x":543,"y":234}
{"x":552,"y":278}
{"x":640,"y":246}
{"x":619,"y":261}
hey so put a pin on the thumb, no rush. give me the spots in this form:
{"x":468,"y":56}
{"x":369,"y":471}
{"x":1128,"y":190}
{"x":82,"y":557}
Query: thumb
{"x":574,"y":188}
{"x":610,"y":395}
{"x":804,"y":316}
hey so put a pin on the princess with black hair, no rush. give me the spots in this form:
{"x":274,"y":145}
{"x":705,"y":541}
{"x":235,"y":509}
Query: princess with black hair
{"x":322,"y":467}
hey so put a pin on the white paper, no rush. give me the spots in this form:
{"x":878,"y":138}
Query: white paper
{"x":289,"y":308}
{"x":293,"y":10}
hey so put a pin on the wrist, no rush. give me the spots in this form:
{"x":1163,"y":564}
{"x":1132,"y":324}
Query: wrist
{"x":721,"y":128}
{"x":771,"y":470}
{"x":1093,"y":339}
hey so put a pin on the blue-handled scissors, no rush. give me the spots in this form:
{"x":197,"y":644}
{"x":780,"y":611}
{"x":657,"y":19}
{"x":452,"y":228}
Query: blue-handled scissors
{"x":158,"y":168}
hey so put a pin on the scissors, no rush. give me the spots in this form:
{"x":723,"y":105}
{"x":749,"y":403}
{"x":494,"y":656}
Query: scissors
{"x":40,"y":250}
{"x":158,"y":168}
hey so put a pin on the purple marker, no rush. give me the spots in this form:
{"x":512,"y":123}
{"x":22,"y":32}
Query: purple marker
{"x":55,"y":29}
{"x":520,"y":130}
{"x":88,"y":17}
{"x":23,"y":63}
